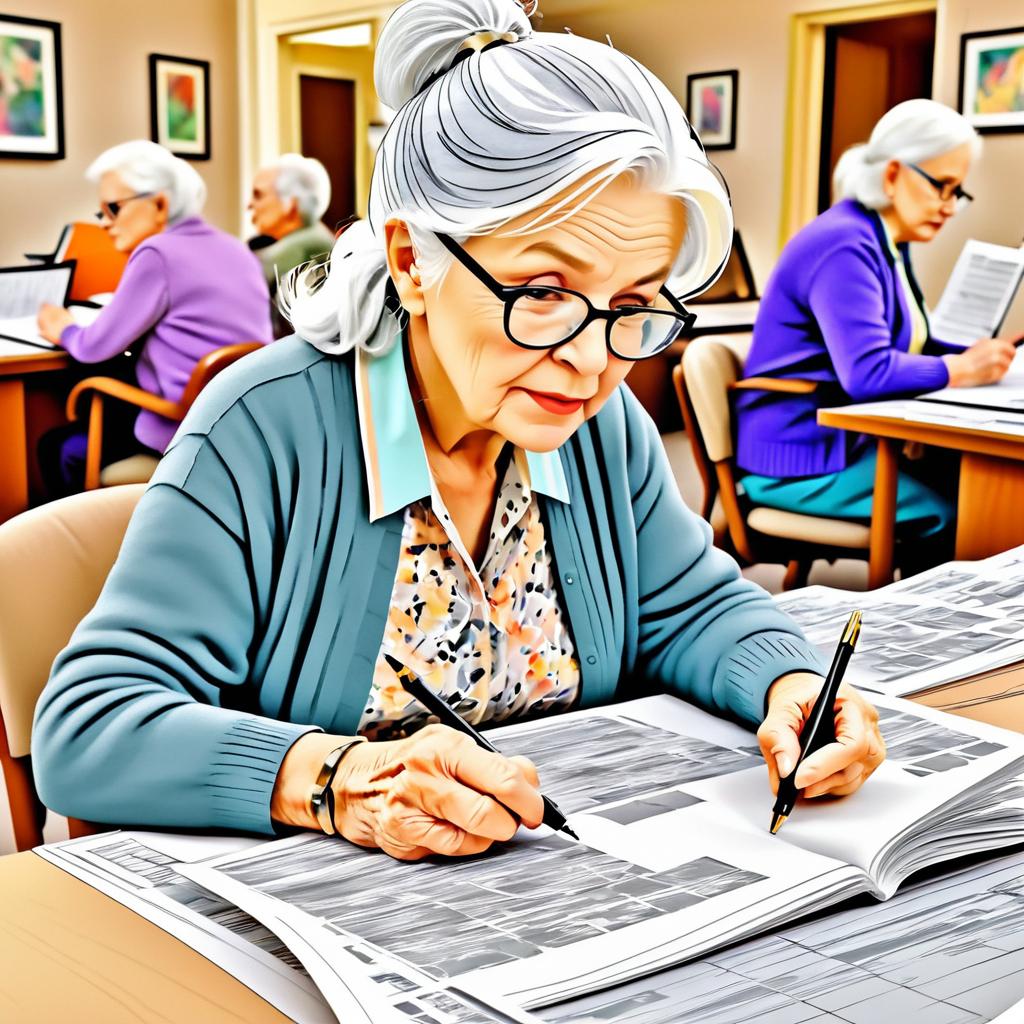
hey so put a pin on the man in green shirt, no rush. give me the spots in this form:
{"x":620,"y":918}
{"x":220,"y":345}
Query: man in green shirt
{"x":288,"y":199}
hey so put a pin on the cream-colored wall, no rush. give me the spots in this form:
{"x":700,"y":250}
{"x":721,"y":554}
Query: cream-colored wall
{"x":106,"y":44}
{"x":753,"y":36}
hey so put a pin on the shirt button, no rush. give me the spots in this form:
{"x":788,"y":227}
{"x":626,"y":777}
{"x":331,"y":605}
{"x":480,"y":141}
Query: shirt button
{"x":570,"y":580}
{"x":591,"y":659}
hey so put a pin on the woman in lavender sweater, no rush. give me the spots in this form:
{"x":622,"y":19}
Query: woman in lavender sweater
{"x":187,"y":290}
{"x":843,"y":308}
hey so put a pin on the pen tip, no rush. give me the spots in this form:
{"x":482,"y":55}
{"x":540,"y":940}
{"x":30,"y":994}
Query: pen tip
{"x":778,"y":820}
{"x":565,"y":828}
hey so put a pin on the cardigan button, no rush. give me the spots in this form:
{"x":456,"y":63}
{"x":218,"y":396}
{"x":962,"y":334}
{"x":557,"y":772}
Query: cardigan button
{"x":591,"y":659}
{"x":570,"y":580}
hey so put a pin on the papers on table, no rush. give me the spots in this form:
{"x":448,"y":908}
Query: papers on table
{"x":676,"y":860}
{"x":20,"y":336}
{"x":948,"y":623}
{"x":946,"y":951}
{"x":1006,"y":395}
{"x":24,"y":289}
{"x":979,"y":293}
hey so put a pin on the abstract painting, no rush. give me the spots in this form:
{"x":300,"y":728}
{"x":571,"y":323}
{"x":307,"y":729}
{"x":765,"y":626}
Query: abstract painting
{"x":179,"y":98}
{"x":31,"y":96}
{"x":711,"y":106}
{"x":992,"y":80}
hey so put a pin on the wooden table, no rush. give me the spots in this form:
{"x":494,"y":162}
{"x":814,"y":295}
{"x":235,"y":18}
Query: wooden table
{"x":26,"y":410}
{"x":72,"y":954}
{"x":990,"y":502}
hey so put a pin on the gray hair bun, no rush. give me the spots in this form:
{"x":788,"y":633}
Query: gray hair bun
{"x":422,"y":38}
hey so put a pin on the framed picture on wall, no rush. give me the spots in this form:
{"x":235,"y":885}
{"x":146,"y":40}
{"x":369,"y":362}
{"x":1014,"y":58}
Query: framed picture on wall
{"x":992,"y":79}
{"x":179,"y":105}
{"x":711,"y":106}
{"x":31,"y":93}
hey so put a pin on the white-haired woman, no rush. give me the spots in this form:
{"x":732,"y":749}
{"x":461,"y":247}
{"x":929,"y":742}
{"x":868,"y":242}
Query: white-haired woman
{"x":465,"y":488}
{"x":288,"y":200}
{"x":187,"y":289}
{"x":842,"y":307}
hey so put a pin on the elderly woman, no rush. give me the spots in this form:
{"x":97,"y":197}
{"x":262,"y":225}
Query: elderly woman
{"x":187,"y":289}
{"x":443,"y":468}
{"x":843,"y":308}
{"x":288,"y":199}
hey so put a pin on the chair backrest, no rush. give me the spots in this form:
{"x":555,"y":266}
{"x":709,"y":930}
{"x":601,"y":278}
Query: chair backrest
{"x":54,"y":560}
{"x":710,"y":365}
{"x":210,"y":365}
{"x":99,"y":265}
{"x":737,"y":281}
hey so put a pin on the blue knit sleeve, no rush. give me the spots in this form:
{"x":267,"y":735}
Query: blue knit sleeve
{"x":705,"y":632}
{"x":150,"y":716}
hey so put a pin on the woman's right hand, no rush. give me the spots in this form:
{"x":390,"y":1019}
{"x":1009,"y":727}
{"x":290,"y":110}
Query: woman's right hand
{"x":434,"y":792}
{"x":985,"y":362}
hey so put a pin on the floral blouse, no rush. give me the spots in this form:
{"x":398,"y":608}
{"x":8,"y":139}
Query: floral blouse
{"x":492,"y":641}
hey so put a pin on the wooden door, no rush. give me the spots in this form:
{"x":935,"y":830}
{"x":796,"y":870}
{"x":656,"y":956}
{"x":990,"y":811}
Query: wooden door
{"x":327,"y":110}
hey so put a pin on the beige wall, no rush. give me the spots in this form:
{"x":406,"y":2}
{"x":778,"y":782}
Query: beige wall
{"x":106,"y":44}
{"x":753,"y":36}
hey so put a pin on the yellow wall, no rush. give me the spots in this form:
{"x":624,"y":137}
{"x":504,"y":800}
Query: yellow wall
{"x":106,"y":100}
{"x":753,"y":36}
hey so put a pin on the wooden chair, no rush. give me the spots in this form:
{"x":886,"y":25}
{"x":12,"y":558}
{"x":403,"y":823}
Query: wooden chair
{"x":705,"y":379}
{"x":139,"y":468}
{"x":53,"y":562}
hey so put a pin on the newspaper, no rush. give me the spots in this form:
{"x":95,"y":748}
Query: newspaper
{"x":948,"y":623}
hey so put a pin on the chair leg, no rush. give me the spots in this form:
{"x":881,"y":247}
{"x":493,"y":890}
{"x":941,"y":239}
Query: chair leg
{"x":796,"y":574}
{"x":26,"y":811}
{"x":94,"y":449}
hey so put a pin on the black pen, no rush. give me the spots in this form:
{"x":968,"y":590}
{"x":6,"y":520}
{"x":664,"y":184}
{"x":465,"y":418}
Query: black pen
{"x":415,"y":687}
{"x":821,"y":725}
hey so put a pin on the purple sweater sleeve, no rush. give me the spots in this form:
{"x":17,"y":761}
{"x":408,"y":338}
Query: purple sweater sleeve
{"x":140,"y":301}
{"x":846,"y":300}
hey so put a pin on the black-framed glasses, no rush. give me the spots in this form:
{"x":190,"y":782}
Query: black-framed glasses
{"x":543,"y":316}
{"x":947,"y":189}
{"x":112,"y":209}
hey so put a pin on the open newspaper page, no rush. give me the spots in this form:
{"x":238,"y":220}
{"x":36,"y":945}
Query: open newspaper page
{"x":978,"y":294}
{"x":944,"y":951}
{"x":951,"y":622}
{"x":673,"y":807}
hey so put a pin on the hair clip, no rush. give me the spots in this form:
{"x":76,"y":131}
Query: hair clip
{"x":529,"y":7}
{"x":480,"y":41}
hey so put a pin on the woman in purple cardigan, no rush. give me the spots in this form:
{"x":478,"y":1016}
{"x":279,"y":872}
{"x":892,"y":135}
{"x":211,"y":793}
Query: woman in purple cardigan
{"x":187,"y":290}
{"x":843,"y":308}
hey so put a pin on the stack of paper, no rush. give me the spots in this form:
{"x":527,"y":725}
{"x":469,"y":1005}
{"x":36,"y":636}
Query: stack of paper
{"x":949,"y":623}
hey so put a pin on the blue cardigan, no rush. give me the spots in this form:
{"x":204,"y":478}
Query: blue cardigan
{"x":250,"y":596}
{"x":833,"y":311}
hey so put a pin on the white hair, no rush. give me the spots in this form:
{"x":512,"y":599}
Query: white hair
{"x":146,"y":167}
{"x":912,"y":131}
{"x":305,"y":180}
{"x":492,"y":138}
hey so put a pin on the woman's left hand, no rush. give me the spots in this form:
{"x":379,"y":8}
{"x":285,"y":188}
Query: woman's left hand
{"x":52,"y":320}
{"x":837,"y":769}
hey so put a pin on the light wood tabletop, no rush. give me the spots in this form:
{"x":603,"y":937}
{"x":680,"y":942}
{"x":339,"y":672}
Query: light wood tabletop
{"x":73,"y":955}
{"x":991,"y":488}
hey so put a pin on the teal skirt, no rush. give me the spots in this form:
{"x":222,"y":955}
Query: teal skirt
{"x":848,"y":494}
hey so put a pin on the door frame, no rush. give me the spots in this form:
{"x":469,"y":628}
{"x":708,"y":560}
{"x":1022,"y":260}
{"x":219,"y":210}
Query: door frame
{"x":802,"y":145}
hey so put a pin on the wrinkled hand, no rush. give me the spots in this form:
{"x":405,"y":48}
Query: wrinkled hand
{"x":985,"y":362}
{"x":837,"y":769}
{"x":435,"y":792}
{"x":52,"y":320}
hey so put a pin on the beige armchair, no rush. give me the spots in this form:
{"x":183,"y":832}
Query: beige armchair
{"x":139,"y":468}
{"x":705,"y":379}
{"x":53,"y":562}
